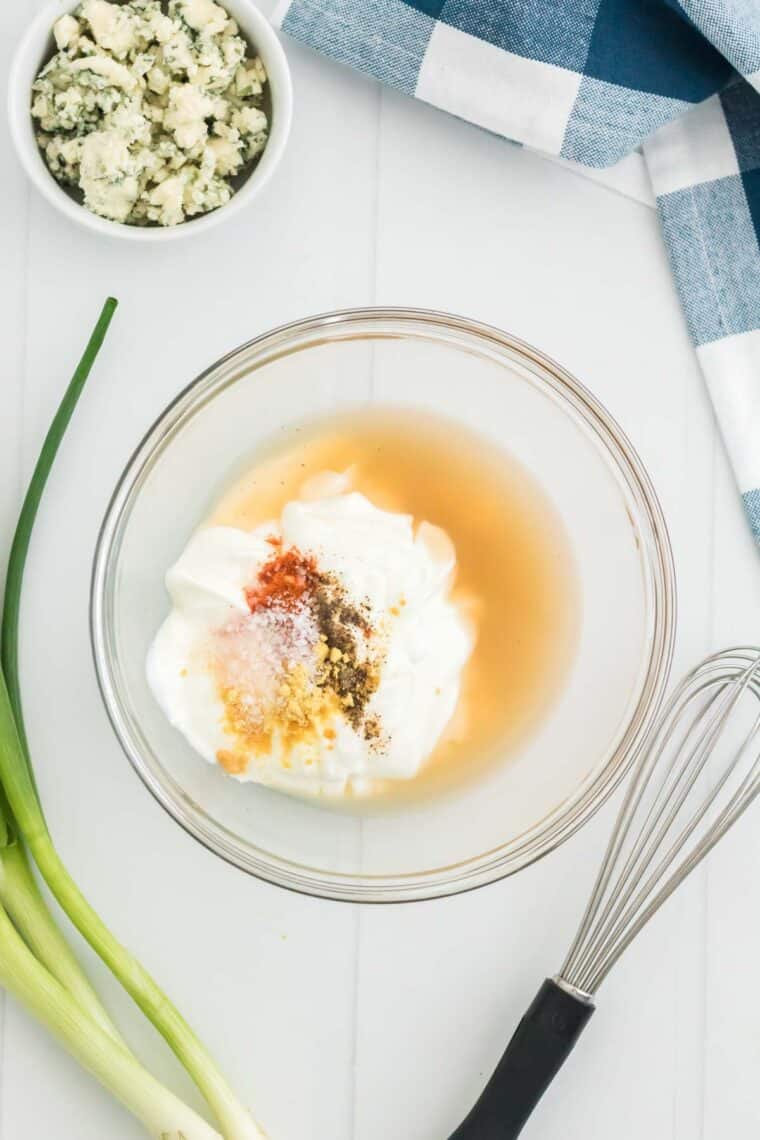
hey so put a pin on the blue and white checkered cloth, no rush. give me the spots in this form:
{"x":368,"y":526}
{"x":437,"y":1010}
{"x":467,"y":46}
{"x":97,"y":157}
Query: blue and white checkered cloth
{"x":592,"y":80}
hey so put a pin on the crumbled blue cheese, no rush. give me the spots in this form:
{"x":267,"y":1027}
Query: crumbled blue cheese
{"x":112,"y":26}
{"x":150,"y":112}
{"x":66,"y":30}
{"x":204,"y":16}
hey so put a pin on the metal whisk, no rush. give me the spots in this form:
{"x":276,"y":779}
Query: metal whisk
{"x":698,"y":773}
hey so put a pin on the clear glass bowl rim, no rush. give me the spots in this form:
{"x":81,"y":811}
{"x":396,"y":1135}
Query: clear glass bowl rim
{"x":545,"y":836}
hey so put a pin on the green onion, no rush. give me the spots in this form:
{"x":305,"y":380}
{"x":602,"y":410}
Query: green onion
{"x":18,"y":784}
{"x":19,"y":892}
{"x":25,"y":524}
{"x":21,"y":897}
{"x":163,"y":1115}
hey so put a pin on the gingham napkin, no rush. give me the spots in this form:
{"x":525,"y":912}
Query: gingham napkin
{"x":591,"y":80}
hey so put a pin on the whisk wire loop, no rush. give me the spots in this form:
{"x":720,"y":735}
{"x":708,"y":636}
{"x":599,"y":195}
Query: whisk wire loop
{"x":661,"y":833}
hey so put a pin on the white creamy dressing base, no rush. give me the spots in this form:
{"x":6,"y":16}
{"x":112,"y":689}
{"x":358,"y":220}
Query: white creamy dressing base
{"x":403,"y":575}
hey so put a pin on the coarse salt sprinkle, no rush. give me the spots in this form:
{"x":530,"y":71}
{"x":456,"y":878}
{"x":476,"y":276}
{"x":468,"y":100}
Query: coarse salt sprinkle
{"x":302,"y":656}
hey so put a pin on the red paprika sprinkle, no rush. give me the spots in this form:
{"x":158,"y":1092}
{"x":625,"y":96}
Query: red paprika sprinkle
{"x":282,"y":581}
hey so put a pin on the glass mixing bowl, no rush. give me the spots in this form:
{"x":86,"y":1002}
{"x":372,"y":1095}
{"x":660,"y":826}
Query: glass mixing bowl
{"x":512,"y":394}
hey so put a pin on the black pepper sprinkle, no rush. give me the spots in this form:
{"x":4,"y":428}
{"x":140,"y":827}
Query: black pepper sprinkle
{"x":352,"y":674}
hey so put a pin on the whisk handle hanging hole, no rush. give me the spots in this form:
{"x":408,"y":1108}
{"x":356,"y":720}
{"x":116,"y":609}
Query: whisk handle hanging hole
{"x":541,"y":1043}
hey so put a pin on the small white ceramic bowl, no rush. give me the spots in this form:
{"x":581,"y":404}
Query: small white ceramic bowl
{"x":37,"y":46}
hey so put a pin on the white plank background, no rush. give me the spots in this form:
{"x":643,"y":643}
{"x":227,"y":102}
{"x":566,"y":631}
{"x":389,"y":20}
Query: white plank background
{"x":339,"y":1023}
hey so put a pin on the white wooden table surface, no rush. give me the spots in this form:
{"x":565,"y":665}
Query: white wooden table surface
{"x":340,"y":1023}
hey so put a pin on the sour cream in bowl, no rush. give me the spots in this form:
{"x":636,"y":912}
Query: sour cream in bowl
{"x":317,"y":653}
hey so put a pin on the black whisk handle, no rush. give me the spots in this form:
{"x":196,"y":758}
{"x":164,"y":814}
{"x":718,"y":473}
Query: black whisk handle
{"x":542,"y":1041}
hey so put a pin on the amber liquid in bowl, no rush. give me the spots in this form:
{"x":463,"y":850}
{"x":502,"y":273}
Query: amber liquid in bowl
{"x":515,"y":574}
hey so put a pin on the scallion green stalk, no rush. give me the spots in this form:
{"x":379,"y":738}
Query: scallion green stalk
{"x":234,"y":1120}
{"x":30,"y":506}
{"x":18,"y":783}
{"x":18,"y":889}
{"x":22,"y":899}
{"x":163,"y":1115}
